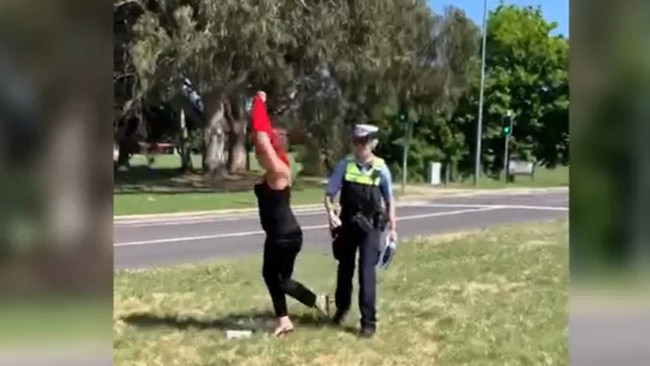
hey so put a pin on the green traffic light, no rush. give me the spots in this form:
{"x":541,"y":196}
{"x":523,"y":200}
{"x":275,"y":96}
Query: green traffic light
{"x":506,"y":130}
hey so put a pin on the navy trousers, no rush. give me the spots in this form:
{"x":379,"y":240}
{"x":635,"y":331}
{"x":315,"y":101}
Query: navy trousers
{"x":368,"y":245}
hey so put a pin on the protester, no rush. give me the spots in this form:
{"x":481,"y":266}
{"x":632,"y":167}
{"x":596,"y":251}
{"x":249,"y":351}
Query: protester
{"x":283,"y":233}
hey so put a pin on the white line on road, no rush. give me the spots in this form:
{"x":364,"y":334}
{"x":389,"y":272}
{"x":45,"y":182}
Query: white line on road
{"x":512,"y":207}
{"x":304,"y":228}
{"x":318,"y":212}
{"x":202,"y":220}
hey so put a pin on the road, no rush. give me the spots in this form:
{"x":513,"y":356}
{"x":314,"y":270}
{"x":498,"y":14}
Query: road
{"x":155,"y":242}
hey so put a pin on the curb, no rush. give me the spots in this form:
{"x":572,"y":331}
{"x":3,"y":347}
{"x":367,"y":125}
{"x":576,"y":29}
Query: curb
{"x":406,"y":198}
{"x":208,"y":213}
{"x":507,"y":191}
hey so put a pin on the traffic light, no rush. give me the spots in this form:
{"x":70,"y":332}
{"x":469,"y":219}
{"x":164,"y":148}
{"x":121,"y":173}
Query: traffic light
{"x":402,"y":114}
{"x":506,"y":127}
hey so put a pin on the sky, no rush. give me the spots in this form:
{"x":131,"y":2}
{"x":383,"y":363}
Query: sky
{"x":553,"y":10}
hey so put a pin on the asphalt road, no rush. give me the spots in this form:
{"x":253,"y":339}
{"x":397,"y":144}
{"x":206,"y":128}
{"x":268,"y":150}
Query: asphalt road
{"x":155,"y":242}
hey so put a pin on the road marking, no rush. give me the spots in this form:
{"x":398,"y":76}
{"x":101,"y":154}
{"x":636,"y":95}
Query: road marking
{"x":205,"y":218}
{"x":512,"y":207}
{"x":319,"y":212}
{"x":200,"y":220}
{"x":304,"y":228}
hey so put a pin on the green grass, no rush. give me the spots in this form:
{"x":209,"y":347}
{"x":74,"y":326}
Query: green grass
{"x":558,"y":177}
{"x":151,"y":190}
{"x":492,"y":298}
{"x":161,"y":188}
{"x":172,"y":161}
{"x":39,"y":319}
{"x":133,"y":190}
{"x":153,"y":203}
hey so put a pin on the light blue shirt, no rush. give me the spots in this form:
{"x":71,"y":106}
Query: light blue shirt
{"x":335,"y":180}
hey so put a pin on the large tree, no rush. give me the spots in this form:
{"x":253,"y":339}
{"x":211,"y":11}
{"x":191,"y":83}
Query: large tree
{"x":526,"y":73}
{"x":341,"y":62}
{"x":432,"y":59}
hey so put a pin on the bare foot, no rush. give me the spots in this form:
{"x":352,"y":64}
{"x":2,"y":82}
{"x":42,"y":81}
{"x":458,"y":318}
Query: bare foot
{"x":284,"y":326}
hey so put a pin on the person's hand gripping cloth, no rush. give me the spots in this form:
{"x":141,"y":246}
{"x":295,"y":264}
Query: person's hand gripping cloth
{"x":260,"y":123}
{"x":387,"y":253}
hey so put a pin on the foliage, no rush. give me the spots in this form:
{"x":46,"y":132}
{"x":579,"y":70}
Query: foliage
{"x":328,"y":65}
{"x":526,"y":73}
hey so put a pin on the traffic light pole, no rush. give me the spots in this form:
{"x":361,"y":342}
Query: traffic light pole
{"x":407,"y":141}
{"x":505,"y":151}
{"x":505,"y":159}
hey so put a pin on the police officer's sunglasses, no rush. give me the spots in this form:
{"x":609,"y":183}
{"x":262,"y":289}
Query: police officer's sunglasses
{"x":361,"y":140}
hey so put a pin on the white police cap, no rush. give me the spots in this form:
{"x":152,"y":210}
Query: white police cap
{"x":363,"y":130}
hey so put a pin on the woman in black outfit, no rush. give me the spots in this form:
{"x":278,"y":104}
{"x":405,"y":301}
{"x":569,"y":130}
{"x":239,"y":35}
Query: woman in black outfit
{"x":283,"y":234}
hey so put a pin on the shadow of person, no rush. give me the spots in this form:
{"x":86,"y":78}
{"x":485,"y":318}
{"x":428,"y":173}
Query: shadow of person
{"x":253,"y":321}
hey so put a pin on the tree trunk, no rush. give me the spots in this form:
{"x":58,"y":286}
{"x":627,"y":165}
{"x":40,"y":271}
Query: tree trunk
{"x":214,"y":136}
{"x":187,"y":164}
{"x":124,"y":153}
{"x":126,"y":137}
{"x":184,"y":145}
{"x":237,"y":147}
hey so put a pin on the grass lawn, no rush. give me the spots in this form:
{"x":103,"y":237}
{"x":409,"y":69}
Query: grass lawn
{"x":558,"y":177}
{"x":153,"y":203}
{"x":172,"y":161}
{"x":133,"y":190}
{"x":496,"y":297}
{"x":161,"y":189}
{"x":47,"y":320}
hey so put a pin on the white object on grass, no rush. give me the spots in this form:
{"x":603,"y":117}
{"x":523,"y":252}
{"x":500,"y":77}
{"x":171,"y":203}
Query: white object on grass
{"x":238,"y":334}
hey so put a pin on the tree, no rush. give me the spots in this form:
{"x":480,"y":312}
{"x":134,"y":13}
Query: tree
{"x":527,"y":73}
{"x":429,"y":71}
{"x":327,"y":65}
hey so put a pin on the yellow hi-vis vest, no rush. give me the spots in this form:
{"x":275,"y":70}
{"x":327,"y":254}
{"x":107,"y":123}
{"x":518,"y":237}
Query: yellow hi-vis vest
{"x":370,"y":177}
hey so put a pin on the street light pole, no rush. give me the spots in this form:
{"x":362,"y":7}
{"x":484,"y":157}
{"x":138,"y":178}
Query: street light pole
{"x":479,"y":125}
{"x":507,"y":145}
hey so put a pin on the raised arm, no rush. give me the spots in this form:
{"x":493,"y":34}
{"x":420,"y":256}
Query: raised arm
{"x":267,"y":154}
{"x":268,"y":157}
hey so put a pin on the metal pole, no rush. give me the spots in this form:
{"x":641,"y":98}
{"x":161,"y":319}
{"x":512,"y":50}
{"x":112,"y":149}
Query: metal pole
{"x":479,"y":125}
{"x":407,"y":138}
{"x":505,"y":159}
{"x":506,"y":147}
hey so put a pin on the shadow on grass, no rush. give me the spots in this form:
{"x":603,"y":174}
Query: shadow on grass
{"x":141,"y":179}
{"x":254,"y":321}
{"x":145,"y":175}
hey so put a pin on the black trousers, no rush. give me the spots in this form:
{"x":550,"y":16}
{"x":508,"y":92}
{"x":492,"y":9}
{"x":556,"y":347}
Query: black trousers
{"x":279,"y":258}
{"x":368,"y":244}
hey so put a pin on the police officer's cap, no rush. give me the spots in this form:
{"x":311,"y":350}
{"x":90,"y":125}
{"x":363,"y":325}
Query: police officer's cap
{"x":364,"y":131}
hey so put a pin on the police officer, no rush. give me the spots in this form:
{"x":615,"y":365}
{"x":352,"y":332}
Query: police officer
{"x":366,"y":203}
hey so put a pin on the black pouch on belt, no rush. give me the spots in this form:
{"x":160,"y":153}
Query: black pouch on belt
{"x":363,"y":222}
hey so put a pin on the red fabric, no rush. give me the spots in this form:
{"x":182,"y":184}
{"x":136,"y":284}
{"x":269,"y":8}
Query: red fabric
{"x":260,"y":122}
{"x":259,"y":118}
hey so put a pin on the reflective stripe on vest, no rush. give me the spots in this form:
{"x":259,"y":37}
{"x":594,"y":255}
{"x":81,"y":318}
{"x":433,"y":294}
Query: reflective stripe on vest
{"x":354,"y":175}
